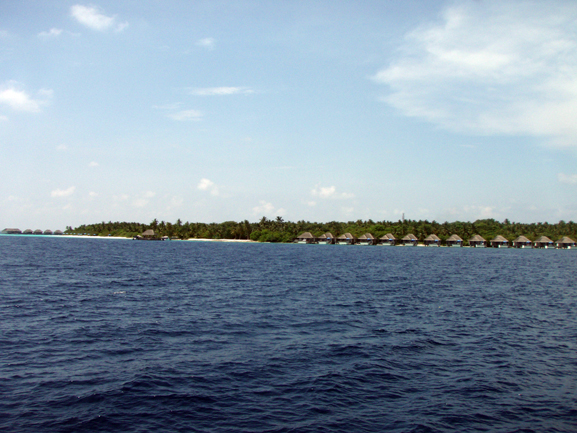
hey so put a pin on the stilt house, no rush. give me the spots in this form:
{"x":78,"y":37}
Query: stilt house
{"x":454,"y":241}
{"x":499,"y":242}
{"x":388,"y":240}
{"x":306,"y":238}
{"x":346,"y":239}
{"x":477,"y":241}
{"x":543,"y":242}
{"x":432,"y":241}
{"x":410,"y":240}
{"x":521,"y":242}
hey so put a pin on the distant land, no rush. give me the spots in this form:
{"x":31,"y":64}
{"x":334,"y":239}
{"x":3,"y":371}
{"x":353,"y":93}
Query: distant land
{"x":279,"y":230}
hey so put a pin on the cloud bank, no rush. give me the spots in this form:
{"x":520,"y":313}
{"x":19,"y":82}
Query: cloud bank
{"x":570,"y":179}
{"x":207,"y":43}
{"x":221,"y":91}
{"x":12,"y":96}
{"x":186,"y":115}
{"x":93,"y":18}
{"x":208,"y":185}
{"x":330,"y":192}
{"x":492,"y":67}
{"x":52,"y":33}
{"x":268,"y":209}
{"x":63,"y":192}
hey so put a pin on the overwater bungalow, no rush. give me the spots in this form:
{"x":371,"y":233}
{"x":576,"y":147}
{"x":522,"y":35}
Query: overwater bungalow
{"x":346,"y":239}
{"x":27,"y":232}
{"x":432,"y":241}
{"x":367,"y":239}
{"x":410,"y":240}
{"x":47,"y":232}
{"x":58,"y":232}
{"x":454,"y":241}
{"x":477,"y":241}
{"x":521,"y":242}
{"x":326,"y":239}
{"x":147,"y":235}
{"x":499,"y":242}
{"x":305,"y":238}
{"x":37,"y":232}
{"x":565,"y":243}
{"x":11,"y":231}
{"x":543,"y":242}
{"x":388,"y":240}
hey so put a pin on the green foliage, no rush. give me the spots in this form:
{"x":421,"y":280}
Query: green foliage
{"x":278,"y":230}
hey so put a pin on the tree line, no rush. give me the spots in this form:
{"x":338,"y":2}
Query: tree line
{"x":279,"y":230}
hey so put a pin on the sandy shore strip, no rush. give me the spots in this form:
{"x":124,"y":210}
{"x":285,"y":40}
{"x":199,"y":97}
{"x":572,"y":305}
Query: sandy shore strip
{"x":220,"y":240}
{"x":91,"y":237}
{"x":191,"y":239}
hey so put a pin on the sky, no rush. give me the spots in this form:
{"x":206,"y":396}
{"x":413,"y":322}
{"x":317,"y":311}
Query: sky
{"x":212,"y":111}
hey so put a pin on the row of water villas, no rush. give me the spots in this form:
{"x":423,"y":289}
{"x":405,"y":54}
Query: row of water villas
{"x":411,"y":240}
{"x":13,"y":231}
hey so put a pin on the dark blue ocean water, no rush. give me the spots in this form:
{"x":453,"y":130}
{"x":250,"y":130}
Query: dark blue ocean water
{"x":125,"y":336}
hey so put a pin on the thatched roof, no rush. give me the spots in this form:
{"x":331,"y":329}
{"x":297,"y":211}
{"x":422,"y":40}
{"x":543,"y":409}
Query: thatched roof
{"x":27,"y":231}
{"x":388,"y":237}
{"x":346,"y":236}
{"x":37,"y":232}
{"x":327,"y":235}
{"x":499,"y":238}
{"x":565,"y":240}
{"x":410,"y":237}
{"x":477,"y":238}
{"x":432,"y":238}
{"x":11,"y":231}
{"x":148,"y":232}
{"x":454,"y":238}
{"x":58,"y":232}
{"x":306,"y":235}
{"x":366,"y":236}
{"x":522,"y":239}
{"x":47,"y":232}
{"x":543,"y":240}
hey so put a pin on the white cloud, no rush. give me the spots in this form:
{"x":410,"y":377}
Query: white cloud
{"x":149,"y":194}
{"x":61,"y":147}
{"x":330,"y":192}
{"x":52,"y":33}
{"x":492,"y":67}
{"x":207,"y":43}
{"x":465,"y":213}
{"x":92,"y":194}
{"x":140,"y":202}
{"x":208,"y":185}
{"x":3,"y":118}
{"x":311,"y":203}
{"x":186,"y":115}
{"x":93,"y":164}
{"x":570,"y":179}
{"x":267,"y":209}
{"x":220,"y":91}
{"x":17,"y":99}
{"x":93,"y":18}
{"x":63,"y":192}
{"x":121,"y":197}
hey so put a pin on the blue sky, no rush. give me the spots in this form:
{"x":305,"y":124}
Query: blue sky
{"x":319,"y":110}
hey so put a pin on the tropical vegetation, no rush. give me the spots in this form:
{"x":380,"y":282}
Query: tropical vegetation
{"x":279,"y":230}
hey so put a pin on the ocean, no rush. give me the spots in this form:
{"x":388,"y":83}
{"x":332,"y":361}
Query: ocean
{"x":125,"y":336}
